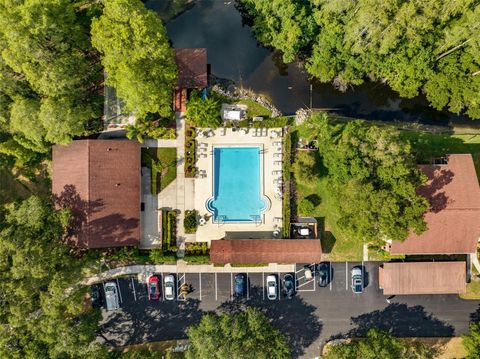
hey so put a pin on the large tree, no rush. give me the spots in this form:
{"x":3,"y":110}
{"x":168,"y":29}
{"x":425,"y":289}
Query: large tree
{"x":471,"y":342}
{"x":429,"y":47}
{"x":241,"y":335}
{"x":42,"y":314}
{"x":137,"y":56}
{"x":373,"y":177}
{"x":380,"y":344}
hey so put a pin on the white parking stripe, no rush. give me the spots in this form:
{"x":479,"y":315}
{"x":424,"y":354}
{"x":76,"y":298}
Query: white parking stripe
{"x":330,"y":277}
{"x":134,"y":293}
{"x":346,"y":275}
{"x":279,"y":285}
{"x":263,"y":285}
{"x":216,"y":295}
{"x":200,"y":284}
{"x":163,"y":287}
{"x":231,"y":284}
{"x":119,"y":291}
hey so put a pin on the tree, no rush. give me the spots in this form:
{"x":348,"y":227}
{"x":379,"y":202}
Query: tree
{"x":471,"y":341}
{"x":380,"y":344}
{"x":137,"y":56}
{"x":203,"y":112}
{"x":241,"y":335}
{"x":373,"y":177}
{"x":416,"y":47}
{"x":42,"y":313}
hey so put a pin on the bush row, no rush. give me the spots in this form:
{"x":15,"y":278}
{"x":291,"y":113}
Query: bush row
{"x":169,"y":222}
{"x":196,"y":248}
{"x":190,"y":149}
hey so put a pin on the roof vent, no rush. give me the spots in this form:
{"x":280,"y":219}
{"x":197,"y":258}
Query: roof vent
{"x":109,"y":149}
{"x":117,"y":184}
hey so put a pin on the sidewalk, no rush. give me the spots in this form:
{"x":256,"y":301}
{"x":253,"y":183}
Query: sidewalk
{"x":183,"y":267}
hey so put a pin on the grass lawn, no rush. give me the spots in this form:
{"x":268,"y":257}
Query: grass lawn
{"x":162,"y":162}
{"x":428,"y":145}
{"x":335,"y":244}
{"x":255,"y":109}
{"x":473,"y":290}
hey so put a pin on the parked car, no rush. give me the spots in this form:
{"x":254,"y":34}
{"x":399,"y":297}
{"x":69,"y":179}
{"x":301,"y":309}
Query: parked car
{"x":323,"y":270}
{"x":169,"y":283}
{"x":112,"y":300}
{"x":357,"y":280}
{"x":288,"y":285}
{"x":153,"y":288}
{"x":272,"y":287}
{"x":97,"y":300}
{"x":240,"y":285}
{"x":308,"y":272}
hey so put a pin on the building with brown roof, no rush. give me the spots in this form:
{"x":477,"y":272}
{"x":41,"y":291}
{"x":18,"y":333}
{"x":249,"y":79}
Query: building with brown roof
{"x":99,"y":180}
{"x":423,"y":278}
{"x":192,"y":68}
{"x":265,"y":251}
{"x":453,"y":218}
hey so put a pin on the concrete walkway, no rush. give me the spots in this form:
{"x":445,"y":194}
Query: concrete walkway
{"x":180,"y":118}
{"x":183,"y":267}
{"x":150,"y":142}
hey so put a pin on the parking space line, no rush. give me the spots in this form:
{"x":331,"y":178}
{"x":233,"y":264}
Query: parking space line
{"x":279,"y":285}
{"x":200,"y":284}
{"x":119,"y":291}
{"x":180,"y":282}
{"x":231,"y":284}
{"x":163,"y":287}
{"x":330,"y":276}
{"x":134,"y":293}
{"x":263,"y":285}
{"x":216,"y":295}
{"x":346,"y":275}
{"x":314,"y":278}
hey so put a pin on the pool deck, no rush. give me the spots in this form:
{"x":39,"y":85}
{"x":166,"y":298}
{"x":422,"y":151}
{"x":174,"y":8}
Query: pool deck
{"x":271,"y":161}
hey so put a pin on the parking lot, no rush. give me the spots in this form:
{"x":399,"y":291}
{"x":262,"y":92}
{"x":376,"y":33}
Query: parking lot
{"x":314,"y":315}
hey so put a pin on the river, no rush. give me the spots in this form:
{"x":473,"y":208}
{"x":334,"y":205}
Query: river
{"x":234,"y":54}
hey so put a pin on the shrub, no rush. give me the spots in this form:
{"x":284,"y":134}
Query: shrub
{"x":190,"y":221}
{"x":196,"y":248}
{"x":305,"y":207}
{"x":169,"y":221}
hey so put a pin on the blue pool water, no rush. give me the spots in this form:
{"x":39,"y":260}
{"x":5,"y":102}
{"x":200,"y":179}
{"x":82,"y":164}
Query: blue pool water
{"x":236,"y":184}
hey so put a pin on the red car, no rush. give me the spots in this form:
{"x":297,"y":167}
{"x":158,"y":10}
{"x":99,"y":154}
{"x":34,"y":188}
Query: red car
{"x":153,"y":288}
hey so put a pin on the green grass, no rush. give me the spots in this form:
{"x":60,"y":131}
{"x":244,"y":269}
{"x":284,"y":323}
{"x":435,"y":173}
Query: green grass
{"x":428,"y":145}
{"x":473,"y":290}
{"x":255,"y":109}
{"x":162,"y":162}
{"x":335,"y":244}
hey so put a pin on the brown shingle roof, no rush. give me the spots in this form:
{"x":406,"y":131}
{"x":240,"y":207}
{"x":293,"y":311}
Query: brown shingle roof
{"x":100,"y":181}
{"x":454,"y":217}
{"x":265,"y":251}
{"x":423,"y":278}
{"x":192,"y":68}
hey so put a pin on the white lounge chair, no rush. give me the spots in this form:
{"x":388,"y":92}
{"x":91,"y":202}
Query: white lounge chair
{"x":265,"y":132}
{"x":277,"y":163}
{"x":277,"y":155}
{"x":276,"y":172}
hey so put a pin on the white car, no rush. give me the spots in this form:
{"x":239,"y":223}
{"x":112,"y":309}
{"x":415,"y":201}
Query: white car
{"x":111,"y":296}
{"x":169,"y":283}
{"x":271,"y":287}
{"x":357,"y":280}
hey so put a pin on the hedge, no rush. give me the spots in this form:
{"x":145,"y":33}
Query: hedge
{"x":169,"y":221}
{"x":190,"y":222}
{"x":157,"y":256}
{"x":197,"y":259}
{"x":200,"y":248}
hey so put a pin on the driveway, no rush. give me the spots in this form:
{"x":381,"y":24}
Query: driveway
{"x":314,"y":316}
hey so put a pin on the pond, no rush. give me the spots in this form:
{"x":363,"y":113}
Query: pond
{"x":234,"y":54}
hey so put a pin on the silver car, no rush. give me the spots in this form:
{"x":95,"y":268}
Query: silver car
{"x":112,"y":301}
{"x":271,"y":287}
{"x":357,"y":280}
{"x":169,"y":284}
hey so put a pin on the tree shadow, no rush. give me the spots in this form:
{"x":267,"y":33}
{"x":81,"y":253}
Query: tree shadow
{"x":402,"y":321}
{"x":162,"y":320}
{"x":327,"y":238}
{"x":293,"y":317}
{"x":439,"y":179}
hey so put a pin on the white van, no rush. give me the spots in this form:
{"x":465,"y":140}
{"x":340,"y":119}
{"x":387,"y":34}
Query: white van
{"x":112,"y":301}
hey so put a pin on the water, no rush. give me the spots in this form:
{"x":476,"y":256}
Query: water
{"x":236,"y":185}
{"x":234,"y":54}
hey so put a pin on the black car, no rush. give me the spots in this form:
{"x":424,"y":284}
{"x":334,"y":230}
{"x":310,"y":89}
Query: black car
{"x":323,"y":271}
{"x":240,"y":285}
{"x":288,"y":285}
{"x":97,"y":299}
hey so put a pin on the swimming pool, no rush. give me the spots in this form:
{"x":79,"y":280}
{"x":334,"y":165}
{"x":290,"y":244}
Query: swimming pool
{"x":237,"y":194}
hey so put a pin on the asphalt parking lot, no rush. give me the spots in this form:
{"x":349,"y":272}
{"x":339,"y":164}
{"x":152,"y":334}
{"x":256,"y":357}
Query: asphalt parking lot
{"x":312,"y":317}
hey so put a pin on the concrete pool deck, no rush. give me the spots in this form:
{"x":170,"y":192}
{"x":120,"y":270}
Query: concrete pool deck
{"x":271,"y":162}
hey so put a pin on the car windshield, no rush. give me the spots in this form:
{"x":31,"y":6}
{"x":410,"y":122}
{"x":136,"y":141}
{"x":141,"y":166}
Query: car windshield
{"x":288,"y":284}
{"x":153,"y":288}
{"x":109,"y":288}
